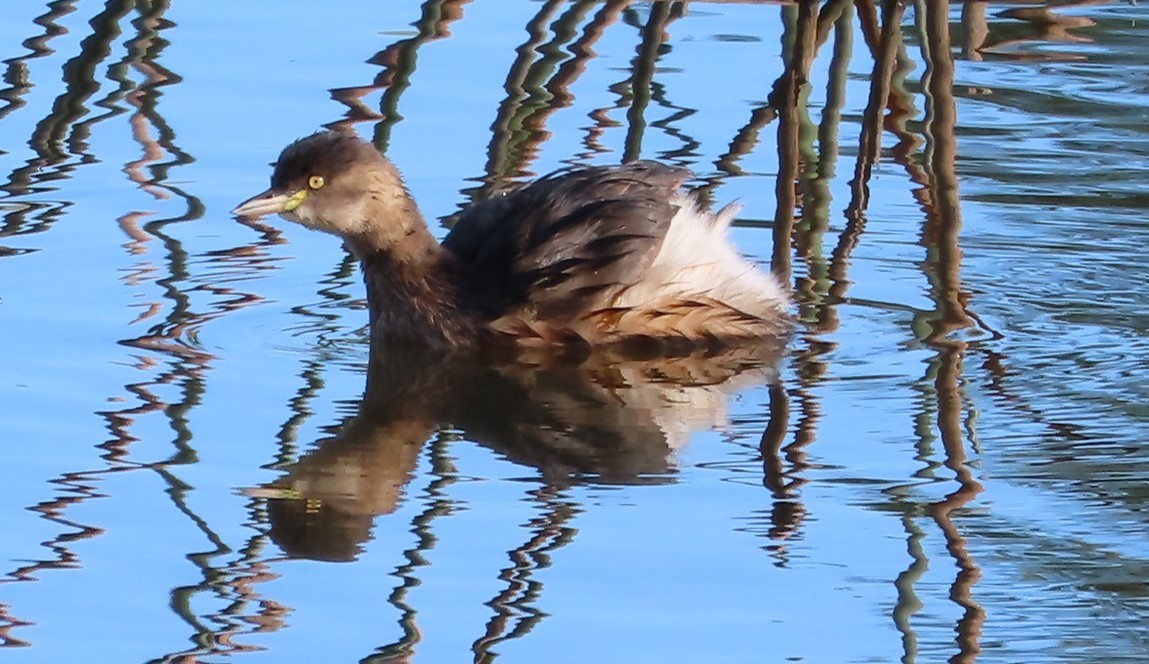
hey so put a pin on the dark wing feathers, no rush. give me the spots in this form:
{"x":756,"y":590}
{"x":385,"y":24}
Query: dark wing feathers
{"x":567,"y":242}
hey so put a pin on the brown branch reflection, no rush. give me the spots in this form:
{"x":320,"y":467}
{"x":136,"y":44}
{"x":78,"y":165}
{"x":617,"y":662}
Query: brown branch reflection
{"x":654,"y":39}
{"x":787,"y":102}
{"x":869,"y":150}
{"x":941,"y":237}
{"x":16,"y":70}
{"x":174,"y":336}
{"x":537,"y":85}
{"x":168,"y":351}
{"x":787,"y":512}
{"x":16,"y":78}
{"x":799,"y":55}
{"x":398,"y":62}
{"x":549,"y":532}
{"x":51,"y":163}
{"x":801,"y":187}
{"x":82,"y":487}
{"x":438,"y":504}
{"x":53,"y":159}
{"x":939,"y":200}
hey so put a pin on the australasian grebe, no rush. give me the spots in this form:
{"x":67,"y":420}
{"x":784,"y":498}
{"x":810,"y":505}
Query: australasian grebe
{"x":593,"y":256}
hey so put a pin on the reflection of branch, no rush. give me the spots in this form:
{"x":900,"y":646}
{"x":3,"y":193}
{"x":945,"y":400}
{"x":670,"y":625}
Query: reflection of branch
{"x":80,"y":77}
{"x":398,"y":62}
{"x":175,"y":334}
{"x":833,"y":13}
{"x":788,"y":89}
{"x":143,"y":99}
{"x":908,"y":603}
{"x":83,"y":486}
{"x":16,"y":74}
{"x":868,"y":25}
{"x":650,"y":49}
{"x":838,"y":272}
{"x":8,"y":622}
{"x":943,"y":263}
{"x":786,"y":99}
{"x":438,"y":505}
{"x":80,"y":84}
{"x":818,"y":309}
{"x":950,"y":415}
{"x":940,"y":200}
{"x":870,"y":147}
{"x":207,"y":638}
{"x":600,"y":120}
{"x":549,"y":531}
{"x":770,"y":446}
{"x":787,"y":513}
{"x":583,"y":50}
{"x":517,"y":130}
{"x":975,"y":28}
{"x":900,"y":103}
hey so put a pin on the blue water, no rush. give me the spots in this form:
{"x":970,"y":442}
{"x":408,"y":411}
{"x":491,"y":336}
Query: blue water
{"x":950,"y":463}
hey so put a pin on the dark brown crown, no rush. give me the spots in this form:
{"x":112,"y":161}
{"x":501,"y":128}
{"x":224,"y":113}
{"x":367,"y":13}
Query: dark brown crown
{"x":327,"y":154}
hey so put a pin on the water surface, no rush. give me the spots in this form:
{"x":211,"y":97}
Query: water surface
{"x":947,"y":461}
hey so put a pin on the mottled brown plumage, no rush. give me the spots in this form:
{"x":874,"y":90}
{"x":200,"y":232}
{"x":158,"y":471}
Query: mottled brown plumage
{"x":588,"y":256}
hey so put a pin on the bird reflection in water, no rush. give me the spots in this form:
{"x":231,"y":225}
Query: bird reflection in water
{"x":605,"y":418}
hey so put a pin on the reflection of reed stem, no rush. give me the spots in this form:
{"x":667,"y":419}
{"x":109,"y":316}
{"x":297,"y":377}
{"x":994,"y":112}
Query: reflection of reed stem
{"x":950,"y":411}
{"x":908,"y":603}
{"x":869,"y":25}
{"x":643,"y":64}
{"x":16,"y":73}
{"x":518,"y":128}
{"x":762,"y":114}
{"x":438,"y":505}
{"x":48,"y":135}
{"x":80,"y":77}
{"x":82,"y":486}
{"x":398,"y":61}
{"x":943,"y":220}
{"x":855,"y":224}
{"x":870,"y":147}
{"x":976,"y":30}
{"x":788,"y":89}
{"x":770,"y":446}
{"x":549,"y":533}
{"x":940,"y":235}
{"x":583,"y":50}
{"x":288,"y":451}
{"x":8,"y":622}
{"x":815,"y":183}
{"x":900,"y":104}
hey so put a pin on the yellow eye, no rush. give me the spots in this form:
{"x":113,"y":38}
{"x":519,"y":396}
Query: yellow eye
{"x":316,"y":182}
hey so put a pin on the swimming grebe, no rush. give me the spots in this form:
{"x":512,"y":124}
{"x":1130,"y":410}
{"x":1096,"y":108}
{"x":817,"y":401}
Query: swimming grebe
{"x":590,"y":256}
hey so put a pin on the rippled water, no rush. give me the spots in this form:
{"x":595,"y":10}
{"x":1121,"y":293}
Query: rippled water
{"x":947,"y":461}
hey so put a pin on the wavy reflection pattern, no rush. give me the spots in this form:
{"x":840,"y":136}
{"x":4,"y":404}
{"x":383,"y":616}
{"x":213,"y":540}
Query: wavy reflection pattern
{"x":609,"y":420}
